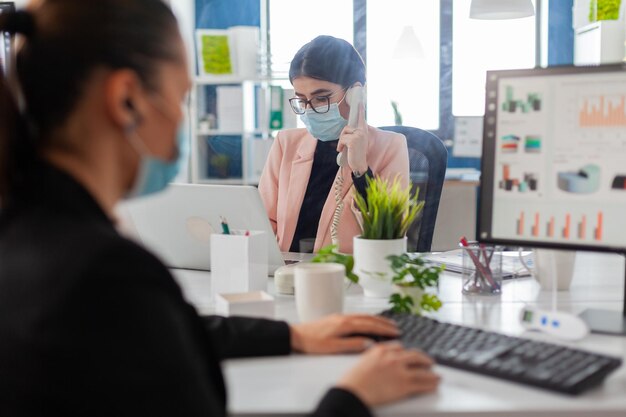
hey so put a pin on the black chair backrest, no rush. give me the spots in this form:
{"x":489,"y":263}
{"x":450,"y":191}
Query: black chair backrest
{"x":428,"y":159}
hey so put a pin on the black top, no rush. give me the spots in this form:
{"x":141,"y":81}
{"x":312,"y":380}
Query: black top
{"x":323,"y":173}
{"x":91,"y":324}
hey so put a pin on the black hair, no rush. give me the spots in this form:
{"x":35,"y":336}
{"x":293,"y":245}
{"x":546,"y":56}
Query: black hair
{"x":329,"y":59}
{"x":64,"y":42}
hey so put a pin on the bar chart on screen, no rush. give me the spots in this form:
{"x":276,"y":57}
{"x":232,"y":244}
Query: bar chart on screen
{"x":567,"y":226}
{"x":602,"y":111}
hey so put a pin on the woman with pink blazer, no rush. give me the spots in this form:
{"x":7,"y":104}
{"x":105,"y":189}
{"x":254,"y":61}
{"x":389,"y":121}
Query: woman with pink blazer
{"x":299,"y":183}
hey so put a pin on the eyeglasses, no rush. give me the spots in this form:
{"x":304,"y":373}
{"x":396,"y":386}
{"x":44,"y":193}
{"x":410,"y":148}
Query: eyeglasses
{"x":319,"y":104}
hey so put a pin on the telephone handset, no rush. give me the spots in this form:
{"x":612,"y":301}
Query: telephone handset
{"x":355,"y":96}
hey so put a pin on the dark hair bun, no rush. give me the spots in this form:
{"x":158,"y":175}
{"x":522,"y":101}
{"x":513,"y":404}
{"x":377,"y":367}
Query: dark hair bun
{"x":330,"y":59}
{"x":21,"y":22}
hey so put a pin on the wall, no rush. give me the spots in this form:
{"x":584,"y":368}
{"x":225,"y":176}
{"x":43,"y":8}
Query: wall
{"x":184,"y":11}
{"x":221,"y":14}
{"x":560,"y":33}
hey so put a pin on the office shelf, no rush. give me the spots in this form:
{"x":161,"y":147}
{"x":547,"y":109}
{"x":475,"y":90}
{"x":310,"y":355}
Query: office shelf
{"x":231,"y":134}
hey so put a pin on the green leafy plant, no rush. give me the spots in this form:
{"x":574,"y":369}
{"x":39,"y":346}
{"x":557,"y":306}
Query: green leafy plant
{"x":412,"y":272}
{"x":388,"y":210}
{"x":396,"y":113}
{"x":400,"y":303}
{"x":329,"y":254}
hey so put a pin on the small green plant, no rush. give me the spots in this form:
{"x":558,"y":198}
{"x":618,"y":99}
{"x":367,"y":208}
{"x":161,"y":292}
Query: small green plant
{"x":388,"y":210}
{"x":409,"y":273}
{"x":400,"y":303}
{"x":221,"y":164}
{"x":396,"y":113}
{"x":329,"y":254}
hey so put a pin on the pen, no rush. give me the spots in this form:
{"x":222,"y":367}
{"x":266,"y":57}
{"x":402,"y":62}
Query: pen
{"x":487,"y":258}
{"x":479,"y":266}
{"x":225,"y":227}
{"x":483,"y":249}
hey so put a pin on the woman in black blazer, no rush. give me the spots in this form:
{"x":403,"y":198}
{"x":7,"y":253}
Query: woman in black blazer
{"x":90,"y":323}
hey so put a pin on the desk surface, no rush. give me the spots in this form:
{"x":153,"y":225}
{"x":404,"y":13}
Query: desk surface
{"x":293,"y":385}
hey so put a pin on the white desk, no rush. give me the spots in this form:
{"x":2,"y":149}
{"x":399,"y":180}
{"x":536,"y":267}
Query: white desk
{"x":293,"y":385}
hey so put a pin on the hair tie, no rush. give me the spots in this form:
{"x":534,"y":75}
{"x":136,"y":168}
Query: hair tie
{"x":20,"y":22}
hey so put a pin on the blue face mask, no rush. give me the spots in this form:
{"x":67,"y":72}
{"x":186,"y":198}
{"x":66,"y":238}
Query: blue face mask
{"x":155,"y":174}
{"x":326,"y":126}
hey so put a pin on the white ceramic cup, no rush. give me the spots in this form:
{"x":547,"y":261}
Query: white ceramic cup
{"x":319,"y":289}
{"x":550,"y":263}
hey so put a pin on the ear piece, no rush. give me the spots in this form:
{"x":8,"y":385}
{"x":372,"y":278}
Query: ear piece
{"x":131,"y":107}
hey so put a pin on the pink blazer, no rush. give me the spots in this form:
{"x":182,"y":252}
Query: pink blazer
{"x":286,"y":176}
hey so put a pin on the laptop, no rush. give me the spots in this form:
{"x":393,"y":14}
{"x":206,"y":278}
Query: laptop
{"x":177,"y":224}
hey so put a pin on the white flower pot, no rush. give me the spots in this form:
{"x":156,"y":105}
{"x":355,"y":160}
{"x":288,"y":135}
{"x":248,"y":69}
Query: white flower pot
{"x":373,"y":267}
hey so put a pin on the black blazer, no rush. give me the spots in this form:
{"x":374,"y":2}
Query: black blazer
{"x":93,"y":325}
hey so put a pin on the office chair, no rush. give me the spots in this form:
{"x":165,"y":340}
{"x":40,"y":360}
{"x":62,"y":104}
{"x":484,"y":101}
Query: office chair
{"x":428,"y":159}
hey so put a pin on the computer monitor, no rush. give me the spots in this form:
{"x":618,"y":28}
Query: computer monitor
{"x":554,"y":164}
{"x":6,"y":40}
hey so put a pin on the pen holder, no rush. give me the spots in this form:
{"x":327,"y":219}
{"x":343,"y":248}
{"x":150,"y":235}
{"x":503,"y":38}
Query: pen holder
{"x":238,"y":262}
{"x":482,"y":269}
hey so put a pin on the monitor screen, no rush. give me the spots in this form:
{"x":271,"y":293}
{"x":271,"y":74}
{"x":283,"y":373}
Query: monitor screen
{"x":554,"y":158}
{"x":6,"y":41}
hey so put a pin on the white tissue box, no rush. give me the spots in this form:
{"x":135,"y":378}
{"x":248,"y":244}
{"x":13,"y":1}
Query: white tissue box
{"x":250,"y":304}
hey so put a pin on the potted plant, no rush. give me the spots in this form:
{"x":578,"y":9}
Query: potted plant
{"x":412,"y":281}
{"x":385,"y":215}
{"x":221,"y":163}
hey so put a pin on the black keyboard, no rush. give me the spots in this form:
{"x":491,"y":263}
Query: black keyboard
{"x":530,"y":362}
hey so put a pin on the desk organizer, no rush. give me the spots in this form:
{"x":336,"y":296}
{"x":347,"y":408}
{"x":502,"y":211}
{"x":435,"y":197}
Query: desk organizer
{"x":238,"y":262}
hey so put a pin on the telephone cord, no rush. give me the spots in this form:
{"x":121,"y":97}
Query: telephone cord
{"x":334,"y":226}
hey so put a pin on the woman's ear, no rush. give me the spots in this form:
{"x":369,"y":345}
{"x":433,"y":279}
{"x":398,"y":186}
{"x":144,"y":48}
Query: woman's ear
{"x":123,"y":98}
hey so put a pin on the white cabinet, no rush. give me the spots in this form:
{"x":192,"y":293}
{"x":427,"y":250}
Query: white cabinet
{"x":599,"y":43}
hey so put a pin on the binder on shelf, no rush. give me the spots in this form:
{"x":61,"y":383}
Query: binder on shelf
{"x":262,"y":113}
{"x":246,"y":51}
{"x":259,"y":149}
{"x":290,"y":119}
{"x":276,"y":107}
{"x":229,"y":108}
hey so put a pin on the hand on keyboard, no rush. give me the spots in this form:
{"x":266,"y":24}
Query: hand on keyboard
{"x":340,"y":333}
{"x":387,"y":372}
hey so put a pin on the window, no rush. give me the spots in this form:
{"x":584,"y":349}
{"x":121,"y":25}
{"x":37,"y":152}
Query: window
{"x":481,"y":45}
{"x":400,"y":75}
{"x":412,"y":82}
{"x":294,"y":23}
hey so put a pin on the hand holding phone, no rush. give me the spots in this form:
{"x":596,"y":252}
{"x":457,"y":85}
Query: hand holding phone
{"x":354,"y":136}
